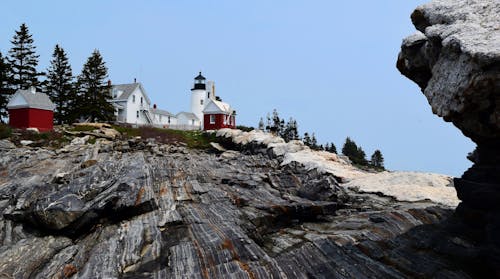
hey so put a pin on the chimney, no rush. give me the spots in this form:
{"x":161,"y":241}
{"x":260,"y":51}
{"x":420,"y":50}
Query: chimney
{"x":109,"y":82}
{"x":154,"y":106}
{"x":32,"y":89}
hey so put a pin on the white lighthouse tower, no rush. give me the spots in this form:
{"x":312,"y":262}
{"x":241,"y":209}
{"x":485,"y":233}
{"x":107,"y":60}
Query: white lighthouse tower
{"x":199,"y":97}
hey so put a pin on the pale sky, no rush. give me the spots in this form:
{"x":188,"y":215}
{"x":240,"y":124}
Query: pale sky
{"x":329,"y":64}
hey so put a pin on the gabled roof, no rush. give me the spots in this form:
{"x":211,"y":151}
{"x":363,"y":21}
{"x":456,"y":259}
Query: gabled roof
{"x":217,"y":106}
{"x":160,"y":112}
{"x":35,"y":100}
{"x":128,"y":89}
{"x":187,"y":115}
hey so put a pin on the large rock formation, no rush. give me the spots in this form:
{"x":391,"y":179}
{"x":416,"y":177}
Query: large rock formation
{"x":455,"y":58}
{"x":140,"y":209}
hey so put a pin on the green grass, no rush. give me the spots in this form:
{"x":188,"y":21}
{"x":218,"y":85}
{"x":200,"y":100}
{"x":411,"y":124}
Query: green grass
{"x":5,"y":131}
{"x":192,"y":139}
{"x":82,"y":128}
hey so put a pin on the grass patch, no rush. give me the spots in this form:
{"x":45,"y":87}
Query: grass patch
{"x":82,"y":128}
{"x":48,"y":139}
{"x":5,"y":131}
{"x":192,"y":139}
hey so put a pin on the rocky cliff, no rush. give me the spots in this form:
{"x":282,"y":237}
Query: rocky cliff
{"x":255,"y":207}
{"x":455,"y":58}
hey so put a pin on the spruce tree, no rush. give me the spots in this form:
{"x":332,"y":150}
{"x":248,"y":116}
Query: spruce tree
{"x":333,"y":148}
{"x":93,"y":103}
{"x":355,"y":153}
{"x":60,"y":85}
{"x":377,"y":160}
{"x":307,"y":139}
{"x":261,"y":124}
{"x":23,"y":60}
{"x":5,"y":86}
{"x":350,"y":148}
{"x":314,"y":142}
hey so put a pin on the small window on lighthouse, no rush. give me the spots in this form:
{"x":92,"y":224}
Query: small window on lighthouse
{"x":201,"y":102}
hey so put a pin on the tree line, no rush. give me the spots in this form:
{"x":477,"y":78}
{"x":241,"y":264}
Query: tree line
{"x":85,"y":96}
{"x":289,"y":131}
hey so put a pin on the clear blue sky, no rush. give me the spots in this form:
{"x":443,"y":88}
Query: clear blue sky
{"x":329,"y":64}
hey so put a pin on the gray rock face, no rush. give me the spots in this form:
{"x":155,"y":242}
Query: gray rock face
{"x":141,"y":213}
{"x":455,"y":59}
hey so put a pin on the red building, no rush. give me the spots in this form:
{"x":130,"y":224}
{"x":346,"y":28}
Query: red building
{"x":218,"y":115}
{"x":31,"y":109}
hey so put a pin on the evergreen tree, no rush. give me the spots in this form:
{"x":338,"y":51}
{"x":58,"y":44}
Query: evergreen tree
{"x":360,"y":157}
{"x":333,"y":148}
{"x":93,"y":101}
{"x":314,"y":142}
{"x":355,"y":153}
{"x":292,"y":129}
{"x":23,"y":60}
{"x":276,"y":123}
{"x":377,"y":160}
{"x":5,"y":86}
{"x":330,"y":147}
{"x":268,"y":123}
{"x":60,"y":85}
{"x":307,"y":139}
{"x":261,"y":124}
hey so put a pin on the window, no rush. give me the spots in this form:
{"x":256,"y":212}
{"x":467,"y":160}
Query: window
{"x":192,"y":122}
{"x":225,"y":120}
{"x":201,"y":102}
{"x":133,"y":100}
{"x":160,"y":118}
{"x":168,"y":120}
{"x":137,"y":114}
{"x":141,"y":100}
{"x":212,"y":119}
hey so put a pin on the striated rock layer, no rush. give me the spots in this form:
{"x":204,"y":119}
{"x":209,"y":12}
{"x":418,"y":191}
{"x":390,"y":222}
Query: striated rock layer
{"x":138,"y":209}
{"x":455,"y":59}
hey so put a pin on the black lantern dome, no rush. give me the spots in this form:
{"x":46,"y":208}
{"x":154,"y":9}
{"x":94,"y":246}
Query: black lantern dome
{"x":199,"y":82}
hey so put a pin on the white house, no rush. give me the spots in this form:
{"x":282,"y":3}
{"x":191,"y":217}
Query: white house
{"x":207,"y":111}
{"x":133,"y":106}
{"x":188,"y":121}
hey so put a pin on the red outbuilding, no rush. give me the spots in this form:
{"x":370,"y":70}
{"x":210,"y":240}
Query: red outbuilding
{"x":218,"y":115}
{"x":31,"y":109}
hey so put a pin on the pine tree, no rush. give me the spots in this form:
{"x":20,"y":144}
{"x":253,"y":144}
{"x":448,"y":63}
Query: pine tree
{"x":291,"y":130}
{"x":377,"y":160}
{"x":5,"y":86}
{"x":268,"y":123}
{"x":314,"y":142}
{"x":261,"y":124}
{"x":60,"y":85}
{"x":276,"y":123}
{"x":330,"y":147}
{"x":23,"y":60}
{"x":93,"y":103}
{"x":333,"y":148}
{"x":355,"y":153}
{"x":307,"y":139}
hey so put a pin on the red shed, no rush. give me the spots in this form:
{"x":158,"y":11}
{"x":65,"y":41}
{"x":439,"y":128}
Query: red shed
{"x":218,"y":115}
{"x":31,"y":109}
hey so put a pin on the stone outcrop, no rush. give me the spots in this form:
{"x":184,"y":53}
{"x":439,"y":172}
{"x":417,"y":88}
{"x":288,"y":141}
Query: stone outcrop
{"x":455,"y":58}
{"x":140,"y":209}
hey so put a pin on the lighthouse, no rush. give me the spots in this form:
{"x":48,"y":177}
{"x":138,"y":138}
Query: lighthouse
{"x":199,"y":96}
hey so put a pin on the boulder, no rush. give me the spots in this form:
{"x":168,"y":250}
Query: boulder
{"x":455,"y":59}
{"x":6,"y":144}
